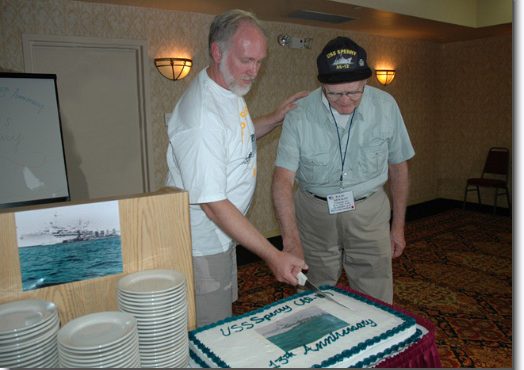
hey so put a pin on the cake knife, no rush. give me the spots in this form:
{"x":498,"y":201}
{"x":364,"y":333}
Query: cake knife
{"x":303,"y":281}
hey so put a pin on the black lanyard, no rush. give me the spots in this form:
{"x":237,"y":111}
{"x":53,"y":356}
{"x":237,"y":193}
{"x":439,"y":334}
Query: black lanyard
{"x":342,"y":156}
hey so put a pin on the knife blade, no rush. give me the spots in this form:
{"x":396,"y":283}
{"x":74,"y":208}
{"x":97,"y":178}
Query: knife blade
{"x":303,"y":281}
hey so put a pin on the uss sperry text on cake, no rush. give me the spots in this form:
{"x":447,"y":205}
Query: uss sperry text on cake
{"x":254,"y":320}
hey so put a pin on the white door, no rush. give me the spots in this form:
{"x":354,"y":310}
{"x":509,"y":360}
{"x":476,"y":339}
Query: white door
{"x":102,"y":93}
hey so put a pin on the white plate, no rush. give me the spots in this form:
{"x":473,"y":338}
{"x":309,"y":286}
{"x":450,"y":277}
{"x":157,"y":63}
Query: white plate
{"x":144,"y":296}
{"x":45,"y":354}
{"x":130,"y":351}
{"x":19,"y":338}
{"x":168,"y":311}
{"x":39,"y":356}
{"x":164,"y":348}
{"x":46,"y":344}
{"x":124,"y":345}
{"x":168,"y":294}
{"x":18,"y":316}
{"x":148,"y":331}
{"x":164,"y":344}
{"x":97,"y":330}
{"x":90,"y":361}
{"x":148,"y":317}
{"x":151,"y":281}
{"x":173,"y":306}
{"x":128,"y":362}
{"x":142,"y":317}
{"x":165,"y":356}
{"x":47,"y":363}
{"x":150,"y":342}
{"x":170,"y":363}
{"x":50,"y":362}
{"x":124,"y":352}
{"x":158,"y":325}
{"x":31,"y":345}
{"x":146,"y":304}
{"x":154,"y":335}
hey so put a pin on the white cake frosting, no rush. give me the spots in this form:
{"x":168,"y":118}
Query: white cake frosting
{"x":306,"y":330}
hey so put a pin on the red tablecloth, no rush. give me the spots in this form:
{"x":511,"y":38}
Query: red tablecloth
{"x":422,"y":354}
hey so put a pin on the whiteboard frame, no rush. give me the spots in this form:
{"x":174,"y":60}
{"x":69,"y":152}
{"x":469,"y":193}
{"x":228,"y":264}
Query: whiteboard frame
{"x":40,"y":199}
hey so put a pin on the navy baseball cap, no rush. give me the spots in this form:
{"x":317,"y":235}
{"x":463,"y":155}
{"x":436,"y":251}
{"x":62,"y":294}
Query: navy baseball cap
{"x":342,"y":60}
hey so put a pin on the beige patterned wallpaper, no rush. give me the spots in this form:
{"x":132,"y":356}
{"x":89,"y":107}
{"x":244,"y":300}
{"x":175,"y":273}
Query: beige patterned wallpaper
{"x":456,"y":99}
{"x":475,"y":111}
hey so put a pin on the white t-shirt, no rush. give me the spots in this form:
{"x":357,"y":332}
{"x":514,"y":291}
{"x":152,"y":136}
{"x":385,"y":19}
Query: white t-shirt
{"x":212,"y":155}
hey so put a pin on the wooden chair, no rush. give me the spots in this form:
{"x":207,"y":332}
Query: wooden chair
{"x":494,"y":175}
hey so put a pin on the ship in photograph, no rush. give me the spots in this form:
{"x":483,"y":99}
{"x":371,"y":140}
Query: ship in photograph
{"x":56,"y":234}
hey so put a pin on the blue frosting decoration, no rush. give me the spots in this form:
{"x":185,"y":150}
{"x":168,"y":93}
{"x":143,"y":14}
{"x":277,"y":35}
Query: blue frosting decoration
{"x":395,"y":348}
{"x":408,"y":322}
{"x":197,"y":359}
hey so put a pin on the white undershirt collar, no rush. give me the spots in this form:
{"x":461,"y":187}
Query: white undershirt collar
{"x":341,"y":119}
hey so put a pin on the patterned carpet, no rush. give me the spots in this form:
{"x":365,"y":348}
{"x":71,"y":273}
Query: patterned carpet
{"x":456,"y":272}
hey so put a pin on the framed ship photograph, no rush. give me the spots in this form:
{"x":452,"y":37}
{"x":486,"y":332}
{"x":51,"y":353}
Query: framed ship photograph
{"x":71,"y":243}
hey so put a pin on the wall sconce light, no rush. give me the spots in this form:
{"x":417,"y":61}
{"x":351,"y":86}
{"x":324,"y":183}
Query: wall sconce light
{"x":385,"y":76}
{"x":173,"y":68}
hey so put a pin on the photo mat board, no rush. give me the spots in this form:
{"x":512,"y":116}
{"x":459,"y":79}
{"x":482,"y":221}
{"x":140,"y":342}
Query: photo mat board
{"x":32,"y":160}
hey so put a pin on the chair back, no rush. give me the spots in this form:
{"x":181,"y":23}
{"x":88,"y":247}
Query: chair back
{"x":497,"y":162}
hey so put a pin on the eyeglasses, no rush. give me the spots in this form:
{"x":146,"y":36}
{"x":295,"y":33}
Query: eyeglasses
{"x":353,"y":95}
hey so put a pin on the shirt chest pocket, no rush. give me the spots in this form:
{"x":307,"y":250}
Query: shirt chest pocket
{"x":314,"y":168}
{"x":373,"y":160}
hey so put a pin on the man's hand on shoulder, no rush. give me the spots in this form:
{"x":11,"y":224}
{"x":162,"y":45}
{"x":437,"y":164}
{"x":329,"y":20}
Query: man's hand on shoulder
{"x":270,"y":121}
{"x":288,"y":104}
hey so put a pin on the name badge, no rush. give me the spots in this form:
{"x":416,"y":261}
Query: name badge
{"x":341,"y":202}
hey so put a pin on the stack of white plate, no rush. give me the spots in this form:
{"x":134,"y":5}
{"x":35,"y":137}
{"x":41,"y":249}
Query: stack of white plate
{"x":102,"y":339}
{"x":28,"y":331}
{"x":157,"y":299}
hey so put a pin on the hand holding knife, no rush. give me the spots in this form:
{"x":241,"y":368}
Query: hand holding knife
{"x":303,"y":281}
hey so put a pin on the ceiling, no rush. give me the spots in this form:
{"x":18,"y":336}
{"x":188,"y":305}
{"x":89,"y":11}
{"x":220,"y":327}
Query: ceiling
{"x":363,"y":19}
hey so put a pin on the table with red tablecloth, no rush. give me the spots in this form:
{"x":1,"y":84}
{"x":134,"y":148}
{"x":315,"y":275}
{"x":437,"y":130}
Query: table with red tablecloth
{"x":421,"y":354}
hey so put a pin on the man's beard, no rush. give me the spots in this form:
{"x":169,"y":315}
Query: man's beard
{"x":230,"y":80}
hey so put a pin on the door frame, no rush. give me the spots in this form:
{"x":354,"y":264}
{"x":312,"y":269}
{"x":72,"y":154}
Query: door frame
{"x":140,"y":48}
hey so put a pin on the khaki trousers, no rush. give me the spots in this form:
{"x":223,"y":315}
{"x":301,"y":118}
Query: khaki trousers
{"x":357,"y":240}
{"x":216,"y":286}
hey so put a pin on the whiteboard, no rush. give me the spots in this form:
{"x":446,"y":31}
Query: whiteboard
{"x":32,"y":162}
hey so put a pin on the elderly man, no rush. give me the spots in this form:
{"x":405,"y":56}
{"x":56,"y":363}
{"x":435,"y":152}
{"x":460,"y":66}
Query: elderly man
{"x":340,"y":144}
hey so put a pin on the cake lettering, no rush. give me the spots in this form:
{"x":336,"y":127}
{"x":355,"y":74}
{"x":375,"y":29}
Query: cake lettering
{"x":245,"y":325}
{"x":235,"y":328}
{"x":304,"y":300}
{"x":282,"y":360}
{"x":336,"y":335}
